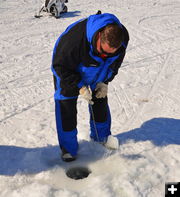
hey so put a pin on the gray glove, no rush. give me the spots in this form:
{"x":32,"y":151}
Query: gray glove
{"x":101,"y":90}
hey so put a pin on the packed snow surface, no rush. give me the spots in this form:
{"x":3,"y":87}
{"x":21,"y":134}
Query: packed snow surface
{"x":144,"y":101}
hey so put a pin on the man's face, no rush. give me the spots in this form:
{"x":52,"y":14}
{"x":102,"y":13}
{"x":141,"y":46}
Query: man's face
{"x":104,"y":49}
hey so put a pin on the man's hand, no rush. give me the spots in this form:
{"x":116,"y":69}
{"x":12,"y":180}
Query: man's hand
{"x":86,"y":94}
{"x":101,"y":90}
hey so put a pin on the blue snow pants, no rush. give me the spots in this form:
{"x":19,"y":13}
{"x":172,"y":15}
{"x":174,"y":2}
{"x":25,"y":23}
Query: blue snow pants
{"x":66,"y":122}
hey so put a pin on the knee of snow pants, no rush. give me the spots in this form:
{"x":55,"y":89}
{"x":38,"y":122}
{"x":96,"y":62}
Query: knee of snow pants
{"x":100,"y":120}
{"x":66,"y":122}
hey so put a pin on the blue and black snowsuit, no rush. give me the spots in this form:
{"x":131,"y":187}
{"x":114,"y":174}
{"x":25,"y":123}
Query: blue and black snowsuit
{"x":75,"y":63}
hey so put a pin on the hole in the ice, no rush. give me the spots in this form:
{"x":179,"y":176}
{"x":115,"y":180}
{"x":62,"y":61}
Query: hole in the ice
{"x":78,"y":172}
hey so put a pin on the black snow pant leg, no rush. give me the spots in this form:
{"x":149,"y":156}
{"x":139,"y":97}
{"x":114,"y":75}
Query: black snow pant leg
{"x":100,"y":119}
{"x":66,"y":122}
{"x":100,"y":109}
{"x":68,"y":114}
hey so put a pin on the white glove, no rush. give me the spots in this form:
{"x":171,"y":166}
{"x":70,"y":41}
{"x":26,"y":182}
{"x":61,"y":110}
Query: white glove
{"x":86,"y":94}
{"x":101,"y":90}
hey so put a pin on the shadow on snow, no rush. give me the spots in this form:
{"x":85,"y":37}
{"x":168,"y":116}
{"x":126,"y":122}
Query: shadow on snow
{"x":160,"y":131}
{"x":70,"y":14}
{"x":13,"y":159}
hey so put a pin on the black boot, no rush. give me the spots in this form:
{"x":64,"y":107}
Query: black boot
{"x":66,"y":156}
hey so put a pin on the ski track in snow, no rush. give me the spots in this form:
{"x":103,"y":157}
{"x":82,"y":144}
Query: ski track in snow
{"x":144,"y":101}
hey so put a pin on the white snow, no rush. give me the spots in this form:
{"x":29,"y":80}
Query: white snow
{"x":144,"y":100}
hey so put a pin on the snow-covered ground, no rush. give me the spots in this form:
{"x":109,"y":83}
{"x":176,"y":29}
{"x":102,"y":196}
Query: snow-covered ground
{"x":144,"y":99}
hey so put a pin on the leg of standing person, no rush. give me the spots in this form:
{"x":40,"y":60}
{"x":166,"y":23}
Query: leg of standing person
{"x":66,"y":122}
{"x":100,"y":120}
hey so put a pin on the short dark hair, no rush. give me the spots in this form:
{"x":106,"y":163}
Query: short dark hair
{"x":113,"y":35}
